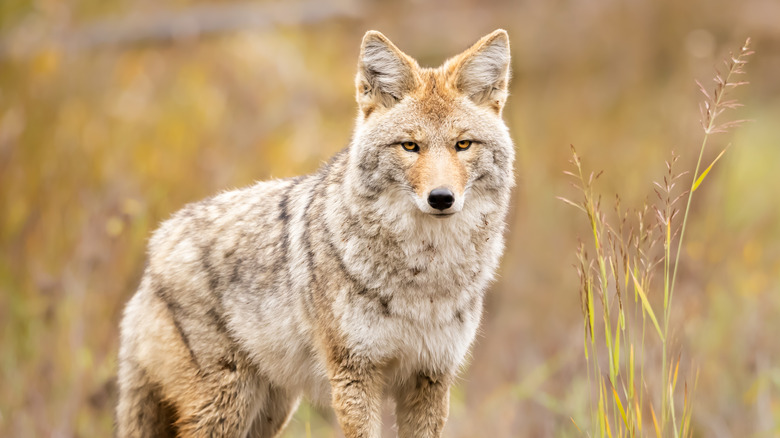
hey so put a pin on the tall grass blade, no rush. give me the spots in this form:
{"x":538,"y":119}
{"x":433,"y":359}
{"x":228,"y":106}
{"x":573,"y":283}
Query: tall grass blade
{"x":619,"y":405}
{"x":686,"y":408}
{"x":655,"y":422}
{"x":603,"y":421}
{"x":638,"y":416}
{"x":585,"y":345}
{"x":591,"y":313}
{"x":703,"y":175}
{"x":616,"y":354}
{"x":671,"y":411}
{"x":631,"y":393}
{"x":575,"y":424}
{"x":646,"y":306}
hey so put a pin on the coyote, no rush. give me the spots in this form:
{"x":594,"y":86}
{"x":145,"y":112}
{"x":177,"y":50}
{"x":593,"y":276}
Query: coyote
{"x":362,"y":280}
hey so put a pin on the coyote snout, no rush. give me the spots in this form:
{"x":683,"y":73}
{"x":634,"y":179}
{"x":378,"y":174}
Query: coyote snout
{"x":441,"y":202}
{"x":441,"y":198}
{"x":438,"y":176}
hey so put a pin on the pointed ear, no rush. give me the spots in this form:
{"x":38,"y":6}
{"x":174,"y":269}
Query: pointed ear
{"x":385,"y":74}
{"x":482,"y":72}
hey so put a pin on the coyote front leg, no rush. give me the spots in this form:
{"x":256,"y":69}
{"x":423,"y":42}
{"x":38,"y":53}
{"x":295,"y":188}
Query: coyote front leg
{"x":356,"y":386}
{"x":422,"y":406}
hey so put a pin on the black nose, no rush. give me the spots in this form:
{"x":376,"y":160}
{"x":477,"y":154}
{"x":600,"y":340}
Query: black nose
{"x":441,"y":198}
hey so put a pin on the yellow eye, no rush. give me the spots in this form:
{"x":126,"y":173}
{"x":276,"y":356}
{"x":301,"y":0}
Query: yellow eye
{"x":410,"y":146}
{"x":463,"y":145}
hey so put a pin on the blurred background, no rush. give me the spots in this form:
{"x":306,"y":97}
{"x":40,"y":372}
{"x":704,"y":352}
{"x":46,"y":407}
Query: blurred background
{"x":115,"y":113}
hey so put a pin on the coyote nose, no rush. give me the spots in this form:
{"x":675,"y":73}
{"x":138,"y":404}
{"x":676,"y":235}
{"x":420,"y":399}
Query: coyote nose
{"x":441,"y":198}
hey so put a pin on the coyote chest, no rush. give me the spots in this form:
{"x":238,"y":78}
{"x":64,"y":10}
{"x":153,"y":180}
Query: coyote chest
{"x":423,"y":286}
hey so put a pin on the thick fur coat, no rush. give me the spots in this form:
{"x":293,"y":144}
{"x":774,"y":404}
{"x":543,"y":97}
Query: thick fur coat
{"x":363,"y":280}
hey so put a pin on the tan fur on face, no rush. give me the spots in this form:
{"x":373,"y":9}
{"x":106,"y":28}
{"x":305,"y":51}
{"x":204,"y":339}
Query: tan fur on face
{"x":437,"y":166}
{"x":438,"y":163}
{"x":435,"y":93}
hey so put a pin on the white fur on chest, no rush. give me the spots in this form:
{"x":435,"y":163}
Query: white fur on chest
{"x":412,"y":343}
{"x":461,"y":250}
{"x":432,"y":292}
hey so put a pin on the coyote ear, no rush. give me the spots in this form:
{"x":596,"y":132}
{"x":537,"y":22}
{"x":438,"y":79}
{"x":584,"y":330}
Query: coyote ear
{"x":482,"y":72}
{"x":385,"y":74}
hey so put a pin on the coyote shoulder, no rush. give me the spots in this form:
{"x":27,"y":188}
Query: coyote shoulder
{"x":363,"y":280}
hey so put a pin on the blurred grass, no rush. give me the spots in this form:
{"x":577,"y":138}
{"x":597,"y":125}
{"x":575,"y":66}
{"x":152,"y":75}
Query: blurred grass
{"x":99,"y":145}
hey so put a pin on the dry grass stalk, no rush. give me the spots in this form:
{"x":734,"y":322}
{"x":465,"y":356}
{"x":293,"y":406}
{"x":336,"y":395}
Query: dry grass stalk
{"x":624,"y":256}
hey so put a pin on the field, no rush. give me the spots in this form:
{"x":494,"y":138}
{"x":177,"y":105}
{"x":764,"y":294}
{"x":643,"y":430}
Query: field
{"x":114,"y":114}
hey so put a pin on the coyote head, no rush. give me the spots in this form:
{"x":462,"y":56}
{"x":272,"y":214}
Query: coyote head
{"x":433,"y":138}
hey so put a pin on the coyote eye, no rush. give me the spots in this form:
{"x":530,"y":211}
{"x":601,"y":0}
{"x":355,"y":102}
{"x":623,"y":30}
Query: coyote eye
{"x":410,"y":146}
{"x":463,"y":145}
